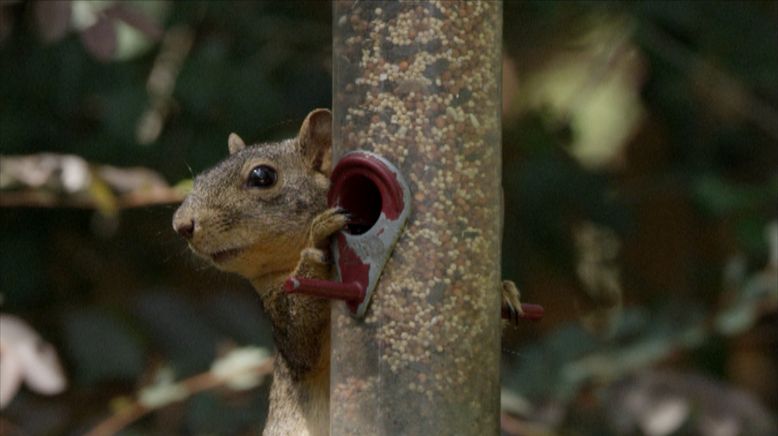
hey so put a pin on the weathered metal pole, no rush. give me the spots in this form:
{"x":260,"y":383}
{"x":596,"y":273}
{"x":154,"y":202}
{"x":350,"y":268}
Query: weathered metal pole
{"x":419,"y":84}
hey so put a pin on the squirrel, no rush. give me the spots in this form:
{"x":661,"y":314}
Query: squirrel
{"x":262,"y":213}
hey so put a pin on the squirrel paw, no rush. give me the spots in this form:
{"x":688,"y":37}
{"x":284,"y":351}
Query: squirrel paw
{"x":511,"y":301}
{"x":314,"y":263}
{"x":314,"y":256}
{"x":325,"y":224}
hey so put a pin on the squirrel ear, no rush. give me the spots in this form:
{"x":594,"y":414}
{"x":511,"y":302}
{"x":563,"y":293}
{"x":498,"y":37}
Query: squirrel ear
{"x":315,"y":140}
{"x":235,"y":143}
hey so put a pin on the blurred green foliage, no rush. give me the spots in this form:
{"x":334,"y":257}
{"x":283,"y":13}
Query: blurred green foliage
{"x":273,"y":55}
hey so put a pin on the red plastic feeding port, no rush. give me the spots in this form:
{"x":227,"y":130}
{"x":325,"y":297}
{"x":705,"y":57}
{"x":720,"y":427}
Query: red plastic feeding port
{"x":377,"y":199}
{"x":532,"y":312}
{"x":365,"y":187}
{"x":362,"y":199}
{"x":375,"y":196}
{"x":352,"y":292}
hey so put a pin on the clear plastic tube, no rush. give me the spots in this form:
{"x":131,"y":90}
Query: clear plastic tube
{"x":419,"y":84}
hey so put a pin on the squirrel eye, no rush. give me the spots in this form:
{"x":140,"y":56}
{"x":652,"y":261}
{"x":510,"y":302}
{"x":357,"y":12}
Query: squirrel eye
{"x":261,"y":176}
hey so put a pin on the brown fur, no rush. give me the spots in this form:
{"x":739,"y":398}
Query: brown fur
{"x":281,"y":231}
{"x":276,"y":232}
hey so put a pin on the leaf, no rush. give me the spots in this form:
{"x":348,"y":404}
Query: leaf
{"x":100,"y":39}
{"x":53,"y":19}
{"x":11,"y":376}
{"x":135,"y":18}
{"x":137,"y":179}
{"x":103,"y":198}
{"x":668,"y":402}
{"x":163,"y":392}
{"x":237,"y":369}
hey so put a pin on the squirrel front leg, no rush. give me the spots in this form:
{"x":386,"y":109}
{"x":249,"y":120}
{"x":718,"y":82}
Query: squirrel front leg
{"x":299,"y":398}
{"x":314,"y":259}
{"x":302,"y":320}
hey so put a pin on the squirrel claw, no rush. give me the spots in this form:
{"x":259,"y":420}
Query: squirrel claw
{"x":511,"y":301}
{"x":325,"y":224}
{"x":343,"y":211}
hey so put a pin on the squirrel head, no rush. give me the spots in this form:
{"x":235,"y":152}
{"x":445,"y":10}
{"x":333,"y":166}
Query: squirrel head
{"x":251,"y":213}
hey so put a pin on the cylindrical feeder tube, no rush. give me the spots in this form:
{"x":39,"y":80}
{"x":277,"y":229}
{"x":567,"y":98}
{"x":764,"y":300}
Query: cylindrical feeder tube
{"x":419,"y":84}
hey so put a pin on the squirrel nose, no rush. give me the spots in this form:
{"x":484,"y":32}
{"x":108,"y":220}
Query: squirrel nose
{"x":185,"y":228}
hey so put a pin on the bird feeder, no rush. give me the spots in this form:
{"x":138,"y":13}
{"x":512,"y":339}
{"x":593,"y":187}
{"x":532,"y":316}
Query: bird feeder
{"x":417,"y":84}
{"x":377,"y":199}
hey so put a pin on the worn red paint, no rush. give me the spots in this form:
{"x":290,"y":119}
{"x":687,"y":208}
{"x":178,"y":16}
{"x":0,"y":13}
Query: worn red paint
{"x":355,"y":165}
{"x":325,"y":288}
{"x":352,"y":269}
{"x":347,"y":191}
{"x":532,"y":312}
